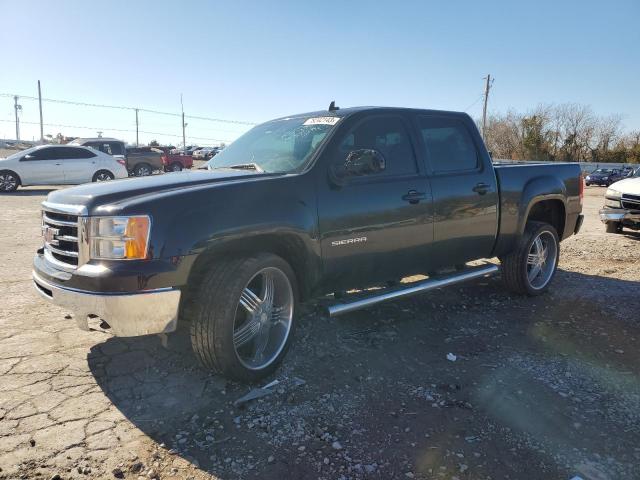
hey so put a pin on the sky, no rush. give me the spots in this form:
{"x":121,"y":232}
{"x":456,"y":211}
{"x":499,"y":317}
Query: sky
{"x":252,"y":61}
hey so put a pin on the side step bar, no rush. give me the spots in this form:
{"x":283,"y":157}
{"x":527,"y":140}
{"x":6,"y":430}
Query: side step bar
{"x":413,"y":288}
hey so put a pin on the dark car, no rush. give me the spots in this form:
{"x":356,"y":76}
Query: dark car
{"x":296,"y":209}
{"x":603,"y":177}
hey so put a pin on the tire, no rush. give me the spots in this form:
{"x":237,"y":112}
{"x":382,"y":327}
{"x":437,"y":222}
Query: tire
{"x":613,"y":227}
{"x":588,"y":184}
{"x":103,"y":176}
{"x":9,"y":181}
{"x":142,"y":170}
{"x":175,"y":167}
{"x":518,"y":266}
{"x":223,"y":336}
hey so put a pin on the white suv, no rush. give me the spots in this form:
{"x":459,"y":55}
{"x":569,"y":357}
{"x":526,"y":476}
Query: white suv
{"x":58,"y":165}
{"x":622,"y":205}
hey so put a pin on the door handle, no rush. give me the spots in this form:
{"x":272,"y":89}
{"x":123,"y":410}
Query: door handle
{"x":58,"y":164}
{"x":413,"y":196}
{"x":481,"y":188}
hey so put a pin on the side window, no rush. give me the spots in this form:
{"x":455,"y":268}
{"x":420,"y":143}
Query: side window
{"x":449,"y":145}
{"x":116,"y":148}
{"x":81,"y":153}
{"x":42,"y":154}
{"x":389,"y":136}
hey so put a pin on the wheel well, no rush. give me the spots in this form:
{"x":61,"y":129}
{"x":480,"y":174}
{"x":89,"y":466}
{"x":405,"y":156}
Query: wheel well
{"x":288,"y":247}
{"x":551,"y":212}
{"x":11,"y":171}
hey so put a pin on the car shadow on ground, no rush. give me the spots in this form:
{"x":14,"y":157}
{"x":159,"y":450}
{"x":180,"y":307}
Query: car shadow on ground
{"x":170,"y":398}
{"x":32,"y":192}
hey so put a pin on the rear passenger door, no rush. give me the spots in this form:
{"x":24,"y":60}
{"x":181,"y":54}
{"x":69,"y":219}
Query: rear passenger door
{"x":375,"y":226}
{"x":464,"y":188}
{"x":79,"y":165}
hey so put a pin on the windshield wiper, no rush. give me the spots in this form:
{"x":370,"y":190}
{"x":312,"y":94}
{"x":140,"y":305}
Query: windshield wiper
{"x":245,"y":166}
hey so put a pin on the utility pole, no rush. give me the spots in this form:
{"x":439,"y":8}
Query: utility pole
{"x":17,"y":108}
{"x":137,"y":144}
{"x":40,"y":106}
{"x":184,"y":137}
{"x":486,"y":100}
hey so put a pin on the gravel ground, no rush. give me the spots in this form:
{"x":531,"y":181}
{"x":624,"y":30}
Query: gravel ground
{"x":542,"y":387}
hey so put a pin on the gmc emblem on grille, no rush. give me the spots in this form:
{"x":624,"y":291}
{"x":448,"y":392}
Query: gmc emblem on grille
{"x":49,"y":234}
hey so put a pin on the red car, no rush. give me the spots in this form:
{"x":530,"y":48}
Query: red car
{"x":176,"y":162}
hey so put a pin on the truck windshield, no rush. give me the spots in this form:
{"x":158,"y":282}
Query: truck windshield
{"x":280,"y":146}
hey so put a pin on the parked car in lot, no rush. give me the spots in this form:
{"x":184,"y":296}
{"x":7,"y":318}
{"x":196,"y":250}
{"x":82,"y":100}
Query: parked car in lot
{"x":110,"y":146}
{"x":298,"y":208}
{"x":58,"y":165}
{"x":205,"y":153}
{"x":603,"y":177}
{"x":622,"y":206}
{"x":176,"y":162}
{"x":143,"y":161}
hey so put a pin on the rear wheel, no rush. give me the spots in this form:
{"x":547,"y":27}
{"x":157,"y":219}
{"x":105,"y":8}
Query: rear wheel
{"x":9,"y":181}
{"x":103,"y":176}
{"x":613,"y":227}
{"x":532,"y":265}
{"x":176,"y":167}
{"x":243,"y":316}
{"x":142,"y":170}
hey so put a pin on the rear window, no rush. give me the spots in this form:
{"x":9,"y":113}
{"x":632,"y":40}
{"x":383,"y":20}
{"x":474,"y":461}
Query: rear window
{"x":449,"y":145}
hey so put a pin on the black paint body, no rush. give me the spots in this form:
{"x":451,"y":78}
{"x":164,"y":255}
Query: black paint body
{"x":204,"y":214}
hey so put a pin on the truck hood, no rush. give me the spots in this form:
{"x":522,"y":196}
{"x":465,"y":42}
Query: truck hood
{"x":112,"y":193}
{"x":628,"y":185}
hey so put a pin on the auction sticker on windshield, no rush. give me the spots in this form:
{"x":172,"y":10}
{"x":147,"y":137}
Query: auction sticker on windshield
{"x":321,"y":121}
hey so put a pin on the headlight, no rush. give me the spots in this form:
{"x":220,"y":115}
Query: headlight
{"x":611,"y":193}
{"x":605,"y":178}
{"x":119,"y":238}
{"x":588,"y":177}
{"x":608,"y":202}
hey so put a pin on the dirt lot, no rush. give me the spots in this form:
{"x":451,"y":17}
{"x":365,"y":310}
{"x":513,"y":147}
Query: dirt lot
{"x":541,"y":388}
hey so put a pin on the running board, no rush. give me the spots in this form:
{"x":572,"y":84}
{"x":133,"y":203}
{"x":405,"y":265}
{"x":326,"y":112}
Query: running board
{"x":413,"y":288}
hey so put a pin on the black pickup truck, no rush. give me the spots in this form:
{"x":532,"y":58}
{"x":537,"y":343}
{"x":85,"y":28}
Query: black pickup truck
{"x":297,"y":209}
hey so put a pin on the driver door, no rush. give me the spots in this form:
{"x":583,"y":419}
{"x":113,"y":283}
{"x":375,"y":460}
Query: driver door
{"x":42,"y":167}
{"x":375,"y":226}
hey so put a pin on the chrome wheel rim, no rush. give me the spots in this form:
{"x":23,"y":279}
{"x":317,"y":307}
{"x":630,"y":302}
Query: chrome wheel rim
{"x":8,"y":182}
{"x":176,"y":168}
{"x":144,"y":171}
{"x":103,"y":177}
{"x":263,"y":318}
{"x":541,"y":260}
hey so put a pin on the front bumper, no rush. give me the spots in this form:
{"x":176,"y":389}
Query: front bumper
{"x":619,"y":215}
{"x":129,"y":314}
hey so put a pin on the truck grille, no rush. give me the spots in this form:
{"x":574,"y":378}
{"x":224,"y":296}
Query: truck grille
{"x":632,"y":202}
{"x":60,"y":231}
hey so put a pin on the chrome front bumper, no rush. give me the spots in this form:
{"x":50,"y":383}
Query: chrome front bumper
{"x":128,"y":314}
{"x":618,"y":215}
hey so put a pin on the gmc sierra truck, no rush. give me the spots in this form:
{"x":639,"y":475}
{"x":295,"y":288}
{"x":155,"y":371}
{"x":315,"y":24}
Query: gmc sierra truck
{"x":295,"y":210}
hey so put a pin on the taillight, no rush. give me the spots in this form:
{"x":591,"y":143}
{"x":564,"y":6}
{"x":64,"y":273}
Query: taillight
{"x":122,"y":161}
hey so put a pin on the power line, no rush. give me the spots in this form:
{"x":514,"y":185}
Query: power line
{"x":120,"y":107}
{"x":117,"y":130}
{"x":475,"y":102}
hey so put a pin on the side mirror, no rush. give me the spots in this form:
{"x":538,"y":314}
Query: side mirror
{"x":365,"y":161}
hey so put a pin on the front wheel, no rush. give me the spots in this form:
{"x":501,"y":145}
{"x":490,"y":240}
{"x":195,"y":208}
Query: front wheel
{"x":531,"y":266}
{"x":243,"y":316}
{"x":9,"y":181}
{"x":103,"y":176}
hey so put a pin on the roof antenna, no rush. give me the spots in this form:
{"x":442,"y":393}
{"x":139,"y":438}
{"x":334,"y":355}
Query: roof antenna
{"x":332,"y":106}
